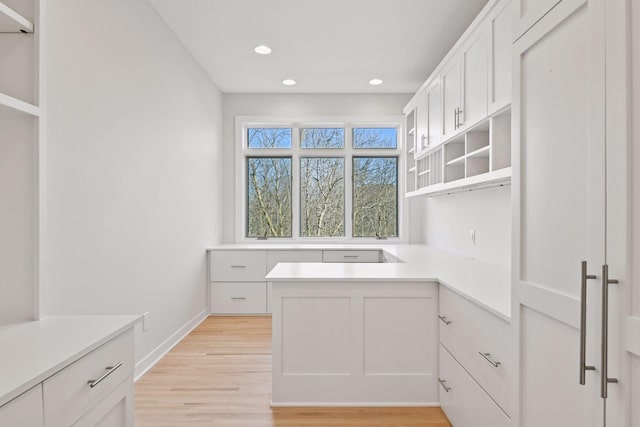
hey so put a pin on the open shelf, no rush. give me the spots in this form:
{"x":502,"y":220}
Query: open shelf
{"x":18,"y":105}
{"x":485,"y":180}
{"x":412,"y":170}
{"x":12,"y":22}
{"x":480,"y":152}
{"x":411,"y":131}
{"x":457,"y":161}
{"x":423,"y":173}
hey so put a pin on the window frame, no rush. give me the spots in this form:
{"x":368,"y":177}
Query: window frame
{"x":242,"y":152}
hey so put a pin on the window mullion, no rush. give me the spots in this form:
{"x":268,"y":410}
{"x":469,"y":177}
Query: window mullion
{"x":295,"y":183}
{"x":348,"y":183}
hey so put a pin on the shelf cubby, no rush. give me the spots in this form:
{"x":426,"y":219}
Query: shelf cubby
{"x":501,"y":140}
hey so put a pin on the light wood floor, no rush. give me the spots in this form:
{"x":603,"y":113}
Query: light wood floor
{"x":220,"y":375}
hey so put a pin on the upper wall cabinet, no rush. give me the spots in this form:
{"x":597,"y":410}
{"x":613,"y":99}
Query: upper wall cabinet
{"x":474,"y":59}
{"x":464,"y":107}
{"x":500,"y":47}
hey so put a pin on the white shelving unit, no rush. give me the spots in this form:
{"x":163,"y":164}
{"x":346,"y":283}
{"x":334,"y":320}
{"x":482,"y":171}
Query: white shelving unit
{"x":21,"y":148}
{"x":468,"y":110}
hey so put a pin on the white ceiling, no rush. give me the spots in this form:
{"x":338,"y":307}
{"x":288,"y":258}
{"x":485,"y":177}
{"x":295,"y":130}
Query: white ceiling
{"x":328,"y":46}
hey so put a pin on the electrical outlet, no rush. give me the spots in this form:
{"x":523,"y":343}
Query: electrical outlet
{"x":472,"y":236}
{"x":145,"y":321}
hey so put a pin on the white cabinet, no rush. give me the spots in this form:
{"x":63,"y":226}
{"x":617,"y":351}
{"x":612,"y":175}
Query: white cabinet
{"x":434,"y":114}
{"x":72,"y":392}
{"x":563,"y":217}
{"x":528,"y":12}
{"x":474,"y":60}
{"x":421,"y":122}
{"x":499,"y":80}
{"x":238,"y":298}
{"x":237,"y":282}
{"x":467,"y":98}
{"x":351,"y":256}
{"x":480,"y":342}
{"x":25,"y":410}
{"x":463,"y":400}
{"x":451,"y":96}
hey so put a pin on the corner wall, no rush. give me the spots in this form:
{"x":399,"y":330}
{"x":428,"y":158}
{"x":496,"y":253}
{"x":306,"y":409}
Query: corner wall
{"x":133,"y":169}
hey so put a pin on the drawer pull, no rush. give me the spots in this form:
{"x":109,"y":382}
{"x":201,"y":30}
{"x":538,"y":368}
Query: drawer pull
{"x":238,"y":298}
{"x":445,"y":320}
{"x":238,"y":266}
{"x":487,"y":357}
{"x":444,"y":385}
{"x":110,"y":370}
{"x":351,"y":256}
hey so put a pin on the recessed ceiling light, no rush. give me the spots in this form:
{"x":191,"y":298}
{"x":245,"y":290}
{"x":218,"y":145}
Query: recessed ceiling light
{"x":375,"y":82}
{"x":289,"y":82}
{"x":262,"y":50}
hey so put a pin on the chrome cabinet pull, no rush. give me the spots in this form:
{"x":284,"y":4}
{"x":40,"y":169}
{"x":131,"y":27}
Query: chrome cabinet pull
{"x":583,"y":323}
{"x":110,"y":370}
{"x":487,"y":357}
{"x":238,"y":298}
{"x":238,"y":266}
{"x":445,"y":320}
{"x":444,"y":385}
{"x":604,"y":378}
{"x":455,"y":119}
{"x":351,"y":256}
{"x":460,"y":121}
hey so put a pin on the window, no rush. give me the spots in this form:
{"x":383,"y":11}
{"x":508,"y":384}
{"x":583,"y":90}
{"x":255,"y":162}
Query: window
{"x":294,"y":182}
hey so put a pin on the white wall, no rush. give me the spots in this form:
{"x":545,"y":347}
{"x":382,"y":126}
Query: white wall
{"x":449,"y":218}
{"x":298,"y":105}
{"x":134,"y":160}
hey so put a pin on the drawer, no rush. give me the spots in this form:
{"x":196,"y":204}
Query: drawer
{"x":68,"y":395}
{"x":239,"y":298}
{"x":25,"y":410}
{"x":463,"y":401}
{"x":472,"y":333}
{"x":274,"y":257}
{"x":238,"y":266}
{"x":351,"y":256}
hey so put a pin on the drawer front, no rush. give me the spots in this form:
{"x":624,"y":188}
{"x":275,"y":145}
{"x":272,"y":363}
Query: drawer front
{"x":274,"y":257}
{"x":476,"y":338}
{"x":351,"y":256}
{"x":239,"y":298}
{"x":463,"y":401}
{"x":238,"y":266}
{"x":25,"y":410}
{"x":68,"y":395}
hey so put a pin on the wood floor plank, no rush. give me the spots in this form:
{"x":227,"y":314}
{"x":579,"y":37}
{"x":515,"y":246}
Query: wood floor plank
{"x":220,"y":375}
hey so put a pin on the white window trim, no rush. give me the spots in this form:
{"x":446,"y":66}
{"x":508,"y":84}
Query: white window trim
{"x":347,"y":122}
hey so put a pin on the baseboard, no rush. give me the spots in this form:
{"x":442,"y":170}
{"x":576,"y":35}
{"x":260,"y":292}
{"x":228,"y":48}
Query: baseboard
{"x":357,"y":404}
{"x":152,"y":358}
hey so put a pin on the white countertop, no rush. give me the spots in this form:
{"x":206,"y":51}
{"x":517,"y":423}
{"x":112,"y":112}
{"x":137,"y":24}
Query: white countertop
{"x":284,"y":246}
{"x":30,"y":352}
{"x":483,"y":283}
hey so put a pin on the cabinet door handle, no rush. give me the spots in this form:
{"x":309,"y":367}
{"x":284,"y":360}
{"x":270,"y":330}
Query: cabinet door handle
{"x":351,"y":256}
{"x":455,"y":119}
{"x":444,"y":385}
{"x":445,"y":320}
{"x":110,"y":370}
{"x":583,"y":322}
{"x":238,"y":298}
{"x":487,"y":357}
{"x":604,"y":378}
{"x":460,"y":121}
{"x":238,"y":266}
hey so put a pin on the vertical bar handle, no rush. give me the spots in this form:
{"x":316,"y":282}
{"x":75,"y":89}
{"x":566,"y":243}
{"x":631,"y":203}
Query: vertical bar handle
{"x":604,"y":377}
{"x":583,"y":323}
{"x":455,"y":119}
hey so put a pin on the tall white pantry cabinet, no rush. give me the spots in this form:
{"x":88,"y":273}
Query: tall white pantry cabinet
{"x":574,"y":334}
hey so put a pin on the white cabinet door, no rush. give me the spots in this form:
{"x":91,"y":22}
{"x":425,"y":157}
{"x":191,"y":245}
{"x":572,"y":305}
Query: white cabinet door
{"x":421,"y":121}
{"x":450,"y":95}
{"x":474,"y":57}
{"x":559,"y":216}
{"x":434,"y":113}
{"x":500,"y":56}
{"x":25,"y":410}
